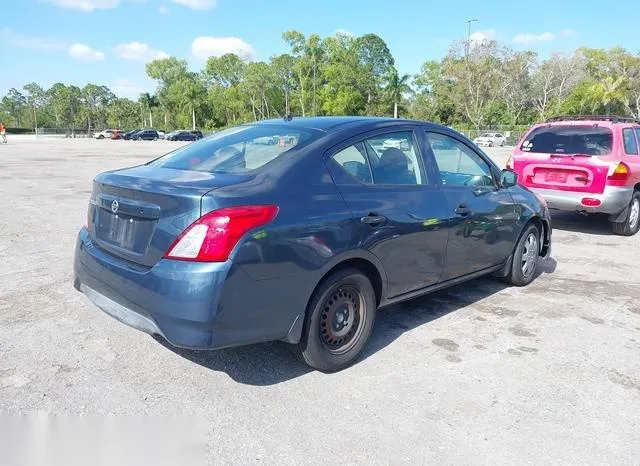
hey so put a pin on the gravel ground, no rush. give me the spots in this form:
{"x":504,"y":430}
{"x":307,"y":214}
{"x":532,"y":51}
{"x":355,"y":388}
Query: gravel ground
{"x":480,"y":373}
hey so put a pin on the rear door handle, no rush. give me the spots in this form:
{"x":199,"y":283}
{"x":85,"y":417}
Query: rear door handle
{"x":462,"y":210}
{"x":373,"y":219}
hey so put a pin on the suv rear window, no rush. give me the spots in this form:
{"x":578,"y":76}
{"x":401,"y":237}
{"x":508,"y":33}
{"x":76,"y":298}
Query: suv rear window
{"x":237,"y":150}
{"x":589,"y":140}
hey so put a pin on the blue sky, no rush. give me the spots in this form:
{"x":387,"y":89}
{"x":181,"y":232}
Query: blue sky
{"x":108,"y":41}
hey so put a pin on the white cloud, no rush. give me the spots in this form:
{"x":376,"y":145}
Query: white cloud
{"x":204,"y":47}
{"x":126,"y":88}
{"x":567,"y":32}
{"x":478,"y":37}
{"x":163,"y":10}
{"x":197,"y":4}
{"x":531,"y":38}
{"x":342,"y":32}
{"x":86,"y":5}
{"x":85,"y":53}
{"x":139,"y":51}
{"x":32,"y":42}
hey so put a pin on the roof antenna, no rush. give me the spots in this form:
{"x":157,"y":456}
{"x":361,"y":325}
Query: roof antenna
{"x":288,"y":117}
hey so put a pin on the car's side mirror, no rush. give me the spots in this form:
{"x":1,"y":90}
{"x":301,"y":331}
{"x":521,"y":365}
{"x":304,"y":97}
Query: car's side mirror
{"x":508,"y":178}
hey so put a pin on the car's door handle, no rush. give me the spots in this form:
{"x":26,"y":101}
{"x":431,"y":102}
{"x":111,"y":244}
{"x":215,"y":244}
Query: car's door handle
{"x":462,"y":210}
{"x":373,"y":219}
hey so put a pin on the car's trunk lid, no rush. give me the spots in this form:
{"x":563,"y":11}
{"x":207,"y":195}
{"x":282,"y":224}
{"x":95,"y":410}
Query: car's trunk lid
{"x":137,"y":213}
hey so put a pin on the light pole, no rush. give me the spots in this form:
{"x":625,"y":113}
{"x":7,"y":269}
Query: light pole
{"x":469,"y":21}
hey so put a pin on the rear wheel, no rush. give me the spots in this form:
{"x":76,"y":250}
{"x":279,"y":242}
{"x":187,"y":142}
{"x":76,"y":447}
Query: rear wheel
{"x":338,"y":322}
{"x":525,"y":258}
{"x":631,"y":223}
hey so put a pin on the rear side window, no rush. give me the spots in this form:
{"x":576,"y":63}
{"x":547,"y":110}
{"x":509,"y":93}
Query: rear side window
{"x":237,"y":150}
{"x":389,"y":159}
{"x":589,"y":140}
{"x":630,"y":143}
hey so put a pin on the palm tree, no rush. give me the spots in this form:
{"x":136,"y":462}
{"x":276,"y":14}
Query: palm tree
{"x":148,"y":102}
{"x":397,"y":86}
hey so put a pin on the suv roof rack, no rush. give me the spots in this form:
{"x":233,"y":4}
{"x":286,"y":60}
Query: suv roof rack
{"x":611,"y":118}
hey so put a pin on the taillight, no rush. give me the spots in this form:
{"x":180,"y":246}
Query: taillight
{"x":213,"y":236}
{"x":620,"y":173}
{"x":509,"y":164}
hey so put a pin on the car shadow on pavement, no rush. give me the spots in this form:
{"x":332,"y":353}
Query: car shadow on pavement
{"x":594,"y":224}
{"x":272,"y":363}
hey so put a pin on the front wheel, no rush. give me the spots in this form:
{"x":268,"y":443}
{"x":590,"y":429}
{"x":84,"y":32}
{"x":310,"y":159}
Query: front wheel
{"x":525,"y":258}
{"x":631,"y":223}
{"x":338,"y":322}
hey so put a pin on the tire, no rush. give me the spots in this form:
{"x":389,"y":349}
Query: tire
{"x":155,"y":138}
{"x":527,"y":250}
{"x":101,"y":137}
{"x":490,"y":144}
{"x":631,"y":223}
{"x":328,"y":342}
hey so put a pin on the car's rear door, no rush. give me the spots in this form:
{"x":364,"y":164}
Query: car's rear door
{"x":482,"y":216}
{"x":399,"y":213}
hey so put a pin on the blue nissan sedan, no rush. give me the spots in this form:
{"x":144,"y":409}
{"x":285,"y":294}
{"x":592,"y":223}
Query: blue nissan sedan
{"x":229,"y":241}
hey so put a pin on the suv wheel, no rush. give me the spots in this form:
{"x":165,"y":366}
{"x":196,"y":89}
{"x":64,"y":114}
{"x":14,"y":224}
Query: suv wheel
{"x":525,"y":258}
{"x":631,"y":223}
{"x":338,"y":322}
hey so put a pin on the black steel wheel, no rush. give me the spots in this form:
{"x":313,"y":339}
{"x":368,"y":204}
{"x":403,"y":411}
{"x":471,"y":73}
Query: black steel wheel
{"x":338,"y":322}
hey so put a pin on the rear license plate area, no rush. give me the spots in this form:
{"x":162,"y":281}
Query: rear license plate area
{"x":124,"y":231}
{"x":556,"y":177}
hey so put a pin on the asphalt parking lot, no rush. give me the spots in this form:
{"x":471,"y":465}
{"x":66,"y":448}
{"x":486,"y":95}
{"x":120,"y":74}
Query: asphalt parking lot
{"x":480,"y":373}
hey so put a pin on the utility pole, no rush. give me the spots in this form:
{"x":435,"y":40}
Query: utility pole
{"x":469,"y":21}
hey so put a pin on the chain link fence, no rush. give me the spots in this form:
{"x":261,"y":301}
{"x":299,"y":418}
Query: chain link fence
{"x":513,"y":133}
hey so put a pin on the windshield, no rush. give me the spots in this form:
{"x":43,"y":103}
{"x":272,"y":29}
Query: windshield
{"x":237,"y":150}
{"x":589,"y":140}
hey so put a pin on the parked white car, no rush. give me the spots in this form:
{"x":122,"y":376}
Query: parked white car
{"x":401,"y":144}
{"x":490,"y":140}
{"x":104,"y":134}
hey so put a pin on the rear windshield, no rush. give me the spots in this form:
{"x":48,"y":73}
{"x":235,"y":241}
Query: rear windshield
{"x":589,"y":140}
{"x":237,"y":150}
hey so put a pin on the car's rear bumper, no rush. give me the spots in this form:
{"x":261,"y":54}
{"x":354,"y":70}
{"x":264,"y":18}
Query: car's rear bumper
{"x":613,"y":200}
{"x":191,"y":305}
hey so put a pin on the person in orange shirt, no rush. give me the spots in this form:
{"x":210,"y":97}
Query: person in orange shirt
{"x":3,"y":132}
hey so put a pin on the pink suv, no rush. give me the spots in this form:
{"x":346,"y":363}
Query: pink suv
{"x":588,"y":164}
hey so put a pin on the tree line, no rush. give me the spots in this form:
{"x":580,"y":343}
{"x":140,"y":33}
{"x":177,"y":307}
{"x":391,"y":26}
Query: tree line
{"x":476,"y":85}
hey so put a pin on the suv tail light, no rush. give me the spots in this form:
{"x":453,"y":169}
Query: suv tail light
{"x":620,"y":173}
{"x":509,"y":164}
{"x":213,"y":236}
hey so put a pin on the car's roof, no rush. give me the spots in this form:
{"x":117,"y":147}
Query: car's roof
{"x":334,"y":122}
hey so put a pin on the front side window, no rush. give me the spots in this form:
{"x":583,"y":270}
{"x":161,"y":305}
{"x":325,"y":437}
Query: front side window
{"x":238,"y":150}
{"x":458,"y":164}
{"x":630,"y":143}
{"x":389,"y":159}
{"x":588,"y":140}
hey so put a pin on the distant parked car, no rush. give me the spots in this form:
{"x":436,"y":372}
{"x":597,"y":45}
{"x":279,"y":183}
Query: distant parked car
{"x":161,"y":134}
{"x":129,"y":134}
{"x":197,"y":133}
{"x":104,"y":134}
{"x":588,"y":164}
{"x":181,"y":135}
{"x":266,"y":140}
{"x":223,"y":243}
{"x":490,"y":140}
{"x":395,"y":143}
{"x":146,"y":135}
{"x":117,"y":134}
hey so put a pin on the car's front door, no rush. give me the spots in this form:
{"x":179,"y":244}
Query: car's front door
{"x":482,"y":215}
{"x":399,"y":213}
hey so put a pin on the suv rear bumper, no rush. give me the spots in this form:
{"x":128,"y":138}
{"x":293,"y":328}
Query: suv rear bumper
{"x":613,"y":200}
